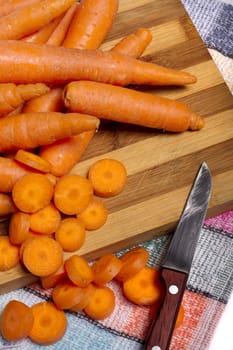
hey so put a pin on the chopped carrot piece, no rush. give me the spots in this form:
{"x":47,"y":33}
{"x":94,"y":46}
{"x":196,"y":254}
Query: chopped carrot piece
{"x":53,"y":279}
{"x":46,"y":220}
{"x":19,"y":226}
{"x":180,"y":317}
{"x":108,"y":177}
{"x":79,"y":271}
{"x":72,"y":194}
{"x":144,"y":288}
{"x":70,"y":234}
{"x":49,"y":324}
{"x":88,"y":293}
{"x":66,"y":294}
{"x":16,"y":320}
{"x":32,"y":192}
{"x":42,"y":256}
{"x":106,"y":268}
{"x":132,"y":262}
{"x":7,"y":205}
{"x":94,"y":215}
{"x":102,"y":303}
{"x":9,"y":254}
{"x":32,"y":160}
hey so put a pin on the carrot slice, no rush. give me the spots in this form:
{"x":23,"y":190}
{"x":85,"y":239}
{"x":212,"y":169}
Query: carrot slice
{"x":49,"y":324}
{"x":32,"y":192}
{"x":32,"y":160}
{"x":144,"y":288}
{"x":94,"y":215}
{"x":19,"y":226}
{"x":42,"y":256}
{"x":53,"y":279}
{"x":9,"y":254}
{"x":72,"y":194}
{"x":88,"y":293}
{"x":70,"y":234}
{"x":79,"y":271}
{"x":66,"y":294}
{"x":102,"y":303}
{"x":16,"y":320}
{"x":46,"y":220}
{"x":106,"y":268}
{"x":7,"y":205}
{"x":108,"y":177}
{"x":132,"y":262}
{"x":180,"y":317}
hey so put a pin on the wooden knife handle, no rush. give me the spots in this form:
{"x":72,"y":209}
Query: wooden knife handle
{"x":160,"y":333}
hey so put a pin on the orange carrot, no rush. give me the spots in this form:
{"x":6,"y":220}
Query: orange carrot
{"x":19,"y":226}
{"x":28,"y":19}
{"x":94,"y":215}
{"x":102,"y":303}
{"x":8,"y":6}
{"x":42,"y":256}
{"x":16,"y":320}
{"x":79,"y":271}
{"x":7,"y":205}
{"x":108,"y":177}
{"x":46,"y":220}
{"x":56,"y":64}
{"x":49,"y":324}
{"x":59,"y":33}
{"x":12,"y":96}
{"x":88,"y":293}
{"x":32,"y":192}
{"x":32,"y":160}
{"x":148,"y":110}
{"x":134,"y":44}
{"x":144,"y":288}
{"x":18,"y":131}
{"x":52,"y":101}
{"x":72,"y":194}
{"x":43,"y":34}
{"x":70,"y":234}
{"x":52,"y":280}
{"x":106,"y":268}
{"x":65,"y":295}
{"x":9,"y":256}
{"x":132,"y":262}
{"x":91,"y":24}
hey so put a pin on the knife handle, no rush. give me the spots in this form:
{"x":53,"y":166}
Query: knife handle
{"x":160,"y":333}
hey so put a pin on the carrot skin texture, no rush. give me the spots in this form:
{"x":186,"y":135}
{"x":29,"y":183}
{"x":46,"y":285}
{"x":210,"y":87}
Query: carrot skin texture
{"x":23,"y":62}
{"x":11,"y":5}
{"x":19,"y":130}
{"x":52,"y":101}
{"x":147,"y":110}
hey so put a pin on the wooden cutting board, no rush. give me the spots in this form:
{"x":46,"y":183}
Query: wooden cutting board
{"x":160,"y":166}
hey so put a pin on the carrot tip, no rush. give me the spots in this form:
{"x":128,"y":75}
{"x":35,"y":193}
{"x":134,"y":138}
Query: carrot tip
{"x":196,"y":122}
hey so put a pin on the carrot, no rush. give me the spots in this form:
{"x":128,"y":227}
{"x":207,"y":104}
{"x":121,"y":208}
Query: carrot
{"x":72,"y":194}
{"x":130,"y":106}
{"x":108,"y":177}
{"x":52,"y":280}
{"x":19,"y":130}
{"x":46,"y":220}
{"x":79,"y":271}
{"x":16,"y":320}
{"x":91,"y":24}
{"x":28,"y":19}
{"x":19,"y":226}
{"x":32,"y":160}
{"x":134,"y":44}
{"x":52,"y":101}
{"x":12,"y":95}
{"x":70,"y":234}
{"x":49,"y":324}
{"x":144,"y":288}
{"x":88,"y":293}
{"x":7,"y":205}
{"x":59,"y":33}
{"x":9,"y":254}
{"x":102,"y":303}
{"x":132,"y":262}
{"x":180,"y":317}
{"x":32,"y":192}
{"x":56,"y":64}
{"x":8,"y":6}
{"x":42,"y":256}
{"x":65,"y":295}
{"x":94,"y":215}
{"x":106,"y":268}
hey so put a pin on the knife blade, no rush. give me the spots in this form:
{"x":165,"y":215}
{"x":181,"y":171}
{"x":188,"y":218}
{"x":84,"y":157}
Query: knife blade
{"x":178,"y":259}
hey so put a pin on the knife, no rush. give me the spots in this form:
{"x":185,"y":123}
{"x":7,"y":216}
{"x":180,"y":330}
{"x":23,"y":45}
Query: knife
{"x":178,"y":259}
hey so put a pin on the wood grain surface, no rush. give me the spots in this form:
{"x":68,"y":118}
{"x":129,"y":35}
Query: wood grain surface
{"x":160,"y":166}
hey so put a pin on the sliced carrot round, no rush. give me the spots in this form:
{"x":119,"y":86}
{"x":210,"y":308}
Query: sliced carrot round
{"x":101,"y":304}
{"x":16,"y":320}
{"x":32,"y":160}
{"x":66,"y":294}
{"x":9,"y":254}
{"x":32,"y":192}
{"x":108,"y":177}
{"x":106,"y":268}
{"x":7,"y":205}
{"x":95,"y":215}
{"x":19,"y":226}
{"x":72,"y":194}
{"x":53,"y":279}
{"x":79,"y":271}
{"x":70,"y":234}
{"x":46,"y":220}
{"x":88,"y":293}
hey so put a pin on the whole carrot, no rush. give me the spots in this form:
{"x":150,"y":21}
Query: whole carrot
{"x":29,"y":19}
{"x":29,"y":130}
{"x":130,"y":106}
{"x":22,"y":62}
{"x":8,"y":6}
